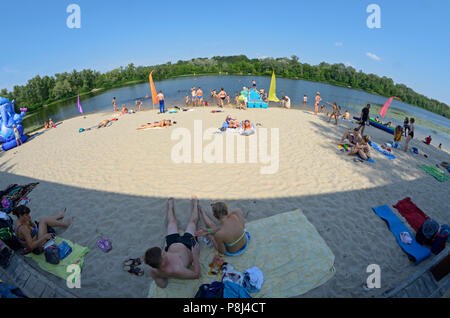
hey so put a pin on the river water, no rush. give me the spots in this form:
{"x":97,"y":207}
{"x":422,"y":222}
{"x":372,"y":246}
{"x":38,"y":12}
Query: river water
{"x":175,"y":90}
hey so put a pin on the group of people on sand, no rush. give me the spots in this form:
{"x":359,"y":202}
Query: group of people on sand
{"x":234,"y":124}
{"x":49,"y":124}
{"x":180,"y":257}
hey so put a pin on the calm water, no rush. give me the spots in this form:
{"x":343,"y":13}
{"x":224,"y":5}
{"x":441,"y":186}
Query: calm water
{"x":175,"y":90}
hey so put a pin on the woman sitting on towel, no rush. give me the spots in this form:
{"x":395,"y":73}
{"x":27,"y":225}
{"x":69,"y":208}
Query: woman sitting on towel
{"x":163,"y":124}
{"x":230,"y":238}
{"x":33,"y":236}
{"x":363,"y":148}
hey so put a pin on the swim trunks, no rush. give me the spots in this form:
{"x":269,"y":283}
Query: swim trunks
{"x":187,"y":240}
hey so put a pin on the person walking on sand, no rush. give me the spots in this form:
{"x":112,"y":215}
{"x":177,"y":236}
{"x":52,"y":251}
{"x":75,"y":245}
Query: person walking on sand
{"x":410,"y":134}
{"x":180,"y":251}
{"x":114,"y":104}
{"x":335,"y":112}
{"x":161,"y":102}
{"x":316,"y":105}
{"x":364,"y":118}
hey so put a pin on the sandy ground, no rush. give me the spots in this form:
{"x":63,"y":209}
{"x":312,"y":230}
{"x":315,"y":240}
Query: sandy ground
{"x":116,"y":181}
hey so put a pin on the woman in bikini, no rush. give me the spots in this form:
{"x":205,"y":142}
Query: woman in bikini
{"x":33,"y":236}
{"x":222,"y":96}
{"x":363,"y":148}
{"x":230,"y":238}
{"x":163,"y":123}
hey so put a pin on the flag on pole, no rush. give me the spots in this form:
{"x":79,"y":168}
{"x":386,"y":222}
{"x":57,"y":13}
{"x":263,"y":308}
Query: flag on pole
{"x":273,"y":89}
{"x":155,"y":98}
{"x":384,"y":110}
{"x":80,"y":109}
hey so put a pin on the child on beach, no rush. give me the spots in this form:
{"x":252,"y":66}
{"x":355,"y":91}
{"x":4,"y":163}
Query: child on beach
{"x":398,"y":133}
{"x":17,"y":135}
{"x":186,"y":100}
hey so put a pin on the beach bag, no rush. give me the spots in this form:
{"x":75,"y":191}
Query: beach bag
{"x":439,"y":242}
{"x":51,"y":252}
{"x":427,"y":232}
{"x":213,"y":290}
{"x":64,"y":250}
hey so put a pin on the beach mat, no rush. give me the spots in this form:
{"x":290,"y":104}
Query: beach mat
{"x":383,"y":151}
{"x":60,"y":270}
{"x":415,"y":251}
{"x":411,"y":212}
{"x":435,"y":172}
{"x":287,"y":248}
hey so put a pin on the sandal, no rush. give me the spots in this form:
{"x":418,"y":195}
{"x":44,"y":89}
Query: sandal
{"x":132,"y":262}
{"x":134,"y":270}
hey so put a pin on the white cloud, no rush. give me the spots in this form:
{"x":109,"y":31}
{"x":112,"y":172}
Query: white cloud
{"x":373,"y":56}
{"x":338,"y":44}
{"x":349,"y":64}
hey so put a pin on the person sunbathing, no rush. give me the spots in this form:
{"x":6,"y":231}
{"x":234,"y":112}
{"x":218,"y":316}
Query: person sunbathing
{"x":163,"y":124}
{"x":247,"y":125}
{"x":232,"y":123}
{"x":353,"y":137}
{"x":103,"y":123}
{"x":124,"y":110}
{"x":33,"y":236}
{"x":180,"y":251}
{"x":230,"y":238}
{"x":363,"y":148}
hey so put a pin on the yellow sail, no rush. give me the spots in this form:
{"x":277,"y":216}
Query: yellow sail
{"x":273,"y":89}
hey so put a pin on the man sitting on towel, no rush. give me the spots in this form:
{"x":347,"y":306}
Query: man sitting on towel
{"x":180,"y":252}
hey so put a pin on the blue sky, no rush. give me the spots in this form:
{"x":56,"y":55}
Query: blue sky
{"x":412,"y":46}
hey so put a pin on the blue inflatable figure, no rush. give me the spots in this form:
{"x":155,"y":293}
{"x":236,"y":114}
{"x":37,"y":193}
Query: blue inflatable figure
{"x":8,"y":118}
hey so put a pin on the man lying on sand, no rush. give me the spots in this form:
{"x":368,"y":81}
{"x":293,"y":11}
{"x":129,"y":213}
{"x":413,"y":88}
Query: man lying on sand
{"x":230,"y":238}
{"x":163,"y":124}
{"x":180,"y":252}
{"x":232,"y":123}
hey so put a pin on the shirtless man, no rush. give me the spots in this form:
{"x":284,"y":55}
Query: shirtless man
{"x":114,"y":104}
{"x":194,"y":96}
{"x":335,"y":112}
{"x":199,"y":95}
{"x":180,"y":253}
{"x":222,"y":96}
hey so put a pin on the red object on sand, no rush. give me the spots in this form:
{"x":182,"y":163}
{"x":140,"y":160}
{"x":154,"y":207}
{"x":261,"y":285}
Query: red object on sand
{"x":415,"y":216}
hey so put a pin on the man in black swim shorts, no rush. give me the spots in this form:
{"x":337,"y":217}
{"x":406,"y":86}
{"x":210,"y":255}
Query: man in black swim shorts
{"x":180,"y":252}
{"x":364,"y":118}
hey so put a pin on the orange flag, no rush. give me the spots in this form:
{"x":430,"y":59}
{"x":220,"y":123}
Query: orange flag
{"x":155,"y":98}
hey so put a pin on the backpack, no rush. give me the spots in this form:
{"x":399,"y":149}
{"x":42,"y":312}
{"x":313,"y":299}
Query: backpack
{"x":213,"y":290}
{"x":427,"y":232}
{"x":51,"y":252}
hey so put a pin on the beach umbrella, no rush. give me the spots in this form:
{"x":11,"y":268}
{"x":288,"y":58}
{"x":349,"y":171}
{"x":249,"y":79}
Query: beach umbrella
{"x":383,"y":110}
{"x":80,"y":109}
{"x":153,"y":89}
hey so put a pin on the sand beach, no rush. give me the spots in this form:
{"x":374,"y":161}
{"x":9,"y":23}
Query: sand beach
{"x":116,"y":180}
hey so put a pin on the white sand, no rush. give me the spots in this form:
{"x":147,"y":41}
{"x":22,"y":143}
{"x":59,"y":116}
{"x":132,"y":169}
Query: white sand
{"x":116,"y":181}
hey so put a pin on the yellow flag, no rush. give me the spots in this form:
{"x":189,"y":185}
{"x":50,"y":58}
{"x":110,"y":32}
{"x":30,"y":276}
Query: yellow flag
{"x":273,"y":89}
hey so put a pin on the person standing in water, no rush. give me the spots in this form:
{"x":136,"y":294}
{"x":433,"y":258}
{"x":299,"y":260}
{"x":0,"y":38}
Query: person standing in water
{"x":114,"y":104}
{"x":222,"y":96}
{"x":316,"y":105}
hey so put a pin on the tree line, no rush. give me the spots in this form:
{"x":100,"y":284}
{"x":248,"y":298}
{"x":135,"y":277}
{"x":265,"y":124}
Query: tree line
{"x":40,"y":91}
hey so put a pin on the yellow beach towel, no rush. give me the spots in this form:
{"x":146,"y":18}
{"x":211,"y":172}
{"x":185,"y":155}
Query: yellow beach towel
{"x":286,"y":247}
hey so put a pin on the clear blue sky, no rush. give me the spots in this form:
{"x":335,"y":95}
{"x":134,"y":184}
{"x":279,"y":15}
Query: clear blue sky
{"x":412,"y":45}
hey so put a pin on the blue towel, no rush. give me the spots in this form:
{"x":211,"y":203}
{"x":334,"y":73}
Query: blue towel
{"x":416,"y":251}
{"x":232,"y":290}
{"x":368,"y":159}
{"x":383,"y":151}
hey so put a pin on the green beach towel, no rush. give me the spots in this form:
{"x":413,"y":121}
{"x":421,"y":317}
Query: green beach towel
{"x":287,"y":248}
{"x":435,"y":172}
{"x":60,"y":270}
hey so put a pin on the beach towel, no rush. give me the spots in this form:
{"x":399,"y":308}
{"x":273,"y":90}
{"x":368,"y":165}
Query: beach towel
{"x":60,"y":270}
{"x":435,"y":172}
{"x":415,"y":251}
{"x":383,"y":151}
{"x":286,"y":247}
{"x":411,"y":212}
